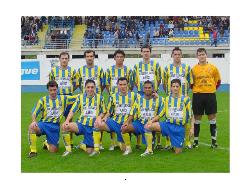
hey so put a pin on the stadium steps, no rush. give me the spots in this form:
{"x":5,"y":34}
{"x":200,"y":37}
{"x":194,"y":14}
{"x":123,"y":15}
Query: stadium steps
{"x":77,"y":37}
{"x":41,"y":36}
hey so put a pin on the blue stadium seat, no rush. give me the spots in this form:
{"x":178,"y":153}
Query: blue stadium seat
{"x":177,"y":43}
{"x":162,"y":41}
{"x":191,"y":32}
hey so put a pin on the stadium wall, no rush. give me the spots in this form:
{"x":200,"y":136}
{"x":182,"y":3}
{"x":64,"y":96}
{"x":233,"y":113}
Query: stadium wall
{"x":35,"y":72}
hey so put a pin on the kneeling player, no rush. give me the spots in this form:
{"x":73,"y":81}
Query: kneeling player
{"x":177,"y":112}
{"x":144,"y":109}
{"x":92,"y":110}
{"x":52,"y":107}
{"x":119,"y":108}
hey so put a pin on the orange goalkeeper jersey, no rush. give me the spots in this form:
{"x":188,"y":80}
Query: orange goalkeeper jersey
{"x":205,"y":78}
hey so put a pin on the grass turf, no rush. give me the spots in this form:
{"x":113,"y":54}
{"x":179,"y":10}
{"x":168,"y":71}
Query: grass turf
{"x":202,"y":159}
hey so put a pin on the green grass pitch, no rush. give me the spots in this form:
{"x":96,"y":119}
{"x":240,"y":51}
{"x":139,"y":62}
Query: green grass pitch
{"x":202,"y":159}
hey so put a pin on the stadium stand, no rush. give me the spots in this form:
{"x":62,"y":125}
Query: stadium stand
{"x":59,"y":33}
{"x":30,"y":25}
{"x":128,"y":31}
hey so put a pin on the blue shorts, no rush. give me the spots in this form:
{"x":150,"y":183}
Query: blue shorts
{"x":175,"y":132}
{"x":87,"y":132}
{"x":67,"y":110}
{"x":139,"y":130}
{"x":51,"y":130}
{"x":115,"y":127}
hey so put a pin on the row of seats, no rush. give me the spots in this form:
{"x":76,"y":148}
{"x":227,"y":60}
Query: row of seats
{"x":161,"y":41}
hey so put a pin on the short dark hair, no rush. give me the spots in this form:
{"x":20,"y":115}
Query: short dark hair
{"x":146,"y":46}
{"x":176,"y":80}
{"x":148,"y":82}
{"x":89,"y":81}
{"x":122,"y":79}
{"x":119,"y":52}
{"x":89,"y":51}
{"x":52,"y":83}
{"x":63,"y":53}
{"x":199,"y":50}
{"x":176,"y":49}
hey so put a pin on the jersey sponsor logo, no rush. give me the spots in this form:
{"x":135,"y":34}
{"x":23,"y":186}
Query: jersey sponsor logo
{"x":114,"y":82}
{"x":64,"y":83}
{"x":54,"y":112}
{"x":89,"y":111}
{"x":175,"y":113}
{"x":147,"y":113}
{"x":147,"y":75}
{"x":123,"y":109}
{"x":181,"y":77}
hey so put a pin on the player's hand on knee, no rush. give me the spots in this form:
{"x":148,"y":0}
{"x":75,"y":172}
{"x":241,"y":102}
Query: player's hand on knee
{"x":65,"y":125}
{"x":104,"y":119}
{"x":98,"y":121}
{"x":125,"y":124}
{"x":96,"y":125}
{"x":149,"y":123}
{"x":34,"y":125}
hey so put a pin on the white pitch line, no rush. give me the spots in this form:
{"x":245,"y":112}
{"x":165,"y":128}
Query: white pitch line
{"x":205,"y":144}
{"x":220,"y":111}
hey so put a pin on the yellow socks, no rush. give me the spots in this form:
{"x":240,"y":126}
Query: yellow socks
{"x":187,"y":130}
{"x":168,"y":143}
{"x":32,"y":142}
{"x":66,"y":141}
{"x":149,"y":138}
{"x":83,"y":147}
{"x":158,"y":137}
{"x":139,"y":140}
{"x":46,"y":144}
{"x":71,"y":138}
{"x":97,"y":140}
{"x":126,"y":139}
{"x":113,"y":138}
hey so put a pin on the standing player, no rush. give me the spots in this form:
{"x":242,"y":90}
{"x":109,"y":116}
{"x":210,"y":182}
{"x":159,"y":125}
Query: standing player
{"x":118,"y":110}
{"x":65,"y":76}
{"x":91,"y":71}
{"x":147,"y":69}
{"x":206,"y":81}
{"x":144,"y":110}
{"x":111,"y":77}
{"x":116,"y":71}
{"x":177,"y":111}
{"x":92,"y":108}
{"x":52,"y":108}
{"x":181,"y":71}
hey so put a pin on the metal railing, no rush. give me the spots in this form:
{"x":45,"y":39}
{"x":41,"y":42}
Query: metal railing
{"x":124,"y":43}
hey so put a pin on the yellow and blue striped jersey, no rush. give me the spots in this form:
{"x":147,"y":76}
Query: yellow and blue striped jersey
{"x":143,"y":72}
{"x":52,"y":109}
{"x":119,"y":106}
{"x":113,"y":74}
{"x":177,"y":109}
{"x":90,"y":108}
{"x":182,"y":72}
{"x":66,"y":79}
{"x":146,"y":109}
{"x":95,"y":73}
